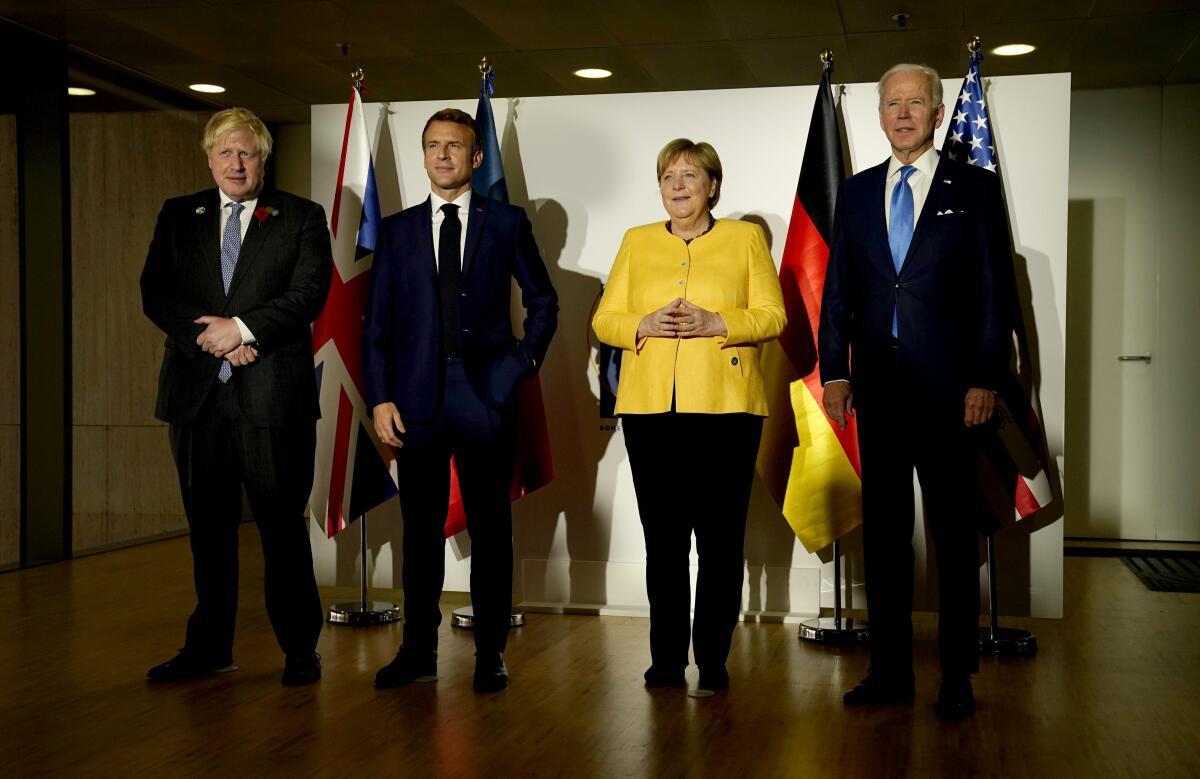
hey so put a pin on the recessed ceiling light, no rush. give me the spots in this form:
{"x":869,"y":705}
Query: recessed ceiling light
{"x":593,"y":73}
{"x":211,"y":89}
{"x":1013,"y":49}
{"x":80,"y":92}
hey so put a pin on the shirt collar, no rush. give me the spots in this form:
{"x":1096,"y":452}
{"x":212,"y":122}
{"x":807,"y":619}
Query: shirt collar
{"x":462,"y":201}
{"x":226,"y":200}
{"x":927,"y":164}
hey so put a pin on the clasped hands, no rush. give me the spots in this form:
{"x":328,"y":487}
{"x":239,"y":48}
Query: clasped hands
{"x":223,"y":339}
{"x":681,"y":319}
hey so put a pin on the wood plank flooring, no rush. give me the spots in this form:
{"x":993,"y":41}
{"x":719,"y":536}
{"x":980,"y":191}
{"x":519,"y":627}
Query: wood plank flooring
{"x":1113,"y":692}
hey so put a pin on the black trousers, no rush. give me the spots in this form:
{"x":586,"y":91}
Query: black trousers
{"x":899,"y":430}
{"x":218,"y":455}
{"x":482,"y":440}
{"x":693,"y":473}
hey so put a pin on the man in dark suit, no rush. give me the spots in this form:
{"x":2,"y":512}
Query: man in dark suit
{"x":914,"y":336}
{"x":234,"y":277}
{"x":442,"y":368}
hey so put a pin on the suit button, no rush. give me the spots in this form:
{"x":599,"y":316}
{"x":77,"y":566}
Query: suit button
{"x":462,"y":294}
{"x":733,"y":361}
{"x":680,"y":282}
{"x":466,"y":330}
{"x":899,"y":284}
{"x":683,"y":264}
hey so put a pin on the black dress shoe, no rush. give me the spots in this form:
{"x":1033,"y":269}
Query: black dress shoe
{"x":491,"y":674}
{"x":186,"y":665}
{"x":663,"y":677}
{"x":407,"y":667}
{"x":302,"y":669}
{"x":955,"y":698}
{"x":712,"y":681}
{"x":877,"y":689}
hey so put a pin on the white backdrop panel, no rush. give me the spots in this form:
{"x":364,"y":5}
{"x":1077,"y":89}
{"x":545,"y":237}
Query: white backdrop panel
{"x":583,"y":167}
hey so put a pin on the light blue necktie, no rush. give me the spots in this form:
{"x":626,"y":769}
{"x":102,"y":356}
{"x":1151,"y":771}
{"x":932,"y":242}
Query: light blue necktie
{"x":231,"y":245}
{"x":900,"y":229}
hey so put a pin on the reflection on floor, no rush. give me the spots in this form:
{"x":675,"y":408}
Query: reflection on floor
{"x":1113,"y":691}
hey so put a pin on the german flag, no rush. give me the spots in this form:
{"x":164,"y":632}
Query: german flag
{"x":810,"y":466}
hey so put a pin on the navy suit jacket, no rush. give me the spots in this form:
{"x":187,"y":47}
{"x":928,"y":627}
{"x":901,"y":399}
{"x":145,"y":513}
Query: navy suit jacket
{"x":278,"y":288}
{"x":401,"y":341}
{"x":953,"y":295}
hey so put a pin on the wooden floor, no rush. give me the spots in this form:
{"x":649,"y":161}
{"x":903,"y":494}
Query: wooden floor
{"x":1115,"y":691}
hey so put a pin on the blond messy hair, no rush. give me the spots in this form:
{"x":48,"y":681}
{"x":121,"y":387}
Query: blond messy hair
{"x":701,"y":154}
{"x":224,"y":122}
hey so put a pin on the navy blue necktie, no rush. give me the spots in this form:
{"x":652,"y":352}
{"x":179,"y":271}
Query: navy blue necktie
{"x":449,"y":270}
{"x":231,"y":246}
{"x":900,"y":228}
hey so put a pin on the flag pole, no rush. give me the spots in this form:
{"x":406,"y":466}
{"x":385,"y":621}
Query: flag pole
{"x":366,"y":611}
{"x":837,"y":630}
{"x":464,"y":616}
{"x":993,"y":639}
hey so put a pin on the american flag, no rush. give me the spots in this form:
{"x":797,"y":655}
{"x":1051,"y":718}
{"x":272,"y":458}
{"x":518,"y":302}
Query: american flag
{"x":354,"y":471}
{"x":969,"y":138}
{"x":1013,"y":474}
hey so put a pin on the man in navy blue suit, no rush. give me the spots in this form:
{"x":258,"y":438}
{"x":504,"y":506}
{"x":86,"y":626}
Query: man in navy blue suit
{"x":442,"y":369}
{"x":914,"y":336}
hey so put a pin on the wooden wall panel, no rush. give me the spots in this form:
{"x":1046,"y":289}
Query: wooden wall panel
{"x":89,"y":488}
{"x":10,"y":349}
{"x":123,"y":166}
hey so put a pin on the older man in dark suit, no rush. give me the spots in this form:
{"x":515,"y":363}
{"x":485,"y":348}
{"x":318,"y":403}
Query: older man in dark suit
{"x":915,"y":335}
{"x":442,"y":369}
{"x":235,"y":276}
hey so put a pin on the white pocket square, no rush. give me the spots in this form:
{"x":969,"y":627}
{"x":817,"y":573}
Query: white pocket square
{"x":947,"y":212}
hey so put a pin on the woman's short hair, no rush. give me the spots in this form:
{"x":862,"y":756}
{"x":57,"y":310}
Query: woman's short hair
{"x":931,"y":75}
{"x":701,"y":154}
{"x":458,"y":117}
{"x":231,"y":119}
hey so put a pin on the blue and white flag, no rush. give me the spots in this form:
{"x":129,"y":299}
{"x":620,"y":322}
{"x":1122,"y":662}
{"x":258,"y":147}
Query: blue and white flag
{"x":969,"y":138}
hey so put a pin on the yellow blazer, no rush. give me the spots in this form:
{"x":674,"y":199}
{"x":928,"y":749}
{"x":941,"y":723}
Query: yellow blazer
{"x":728,"y":270}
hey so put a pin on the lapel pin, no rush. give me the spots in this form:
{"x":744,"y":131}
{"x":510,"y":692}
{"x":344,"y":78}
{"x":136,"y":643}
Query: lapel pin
{"x":945,"y":181}
{"x":200,"y":210}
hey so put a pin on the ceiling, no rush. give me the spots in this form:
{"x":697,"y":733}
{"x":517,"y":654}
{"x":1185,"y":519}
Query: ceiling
{"x":280,"y":56}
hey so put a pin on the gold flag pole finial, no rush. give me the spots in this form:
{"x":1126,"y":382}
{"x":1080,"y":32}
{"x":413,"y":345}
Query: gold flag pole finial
{"x":485,"y":67}
{"x":357,"y":77}
{"x":826,"y":56}
{"x":974,"y":45}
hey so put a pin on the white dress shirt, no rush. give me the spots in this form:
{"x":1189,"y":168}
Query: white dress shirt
{"x":463,"y":202}
{"x":244,"y":218}
{"x":919,"y":181}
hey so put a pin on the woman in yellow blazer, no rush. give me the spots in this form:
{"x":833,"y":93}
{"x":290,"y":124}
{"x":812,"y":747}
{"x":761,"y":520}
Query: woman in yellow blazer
{"x":690,"y":302}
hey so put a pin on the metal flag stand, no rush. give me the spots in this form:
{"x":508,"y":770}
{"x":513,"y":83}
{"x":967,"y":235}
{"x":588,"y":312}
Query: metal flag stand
{"x":464,"y":616}
{"x":365,"y":612}
{"x":835,"y":630}
{"x":993,"y":639}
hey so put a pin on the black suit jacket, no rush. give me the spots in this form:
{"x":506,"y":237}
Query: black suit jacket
{"x":402,"y":350}
{"x":953,"y":295}
{"x":278,"y":288}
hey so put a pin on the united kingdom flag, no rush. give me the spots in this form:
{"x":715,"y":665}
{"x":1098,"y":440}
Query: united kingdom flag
{"x":354,"y":471}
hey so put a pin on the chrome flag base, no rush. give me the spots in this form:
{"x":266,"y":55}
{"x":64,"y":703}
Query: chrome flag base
{"x":464,"y":618}
{"x":1007,"y":642}
{"x":830,"y":630}
{"x":373,"y":612}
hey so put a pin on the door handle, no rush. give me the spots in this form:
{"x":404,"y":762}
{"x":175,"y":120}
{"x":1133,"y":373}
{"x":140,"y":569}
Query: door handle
{"x":1134,"y":358}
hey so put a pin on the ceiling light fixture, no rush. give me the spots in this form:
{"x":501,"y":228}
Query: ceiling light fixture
{"x":80,"y":92}
{"x":208,"y":89}
{"x":1013,"y":49}
{"x":593,"y":73}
